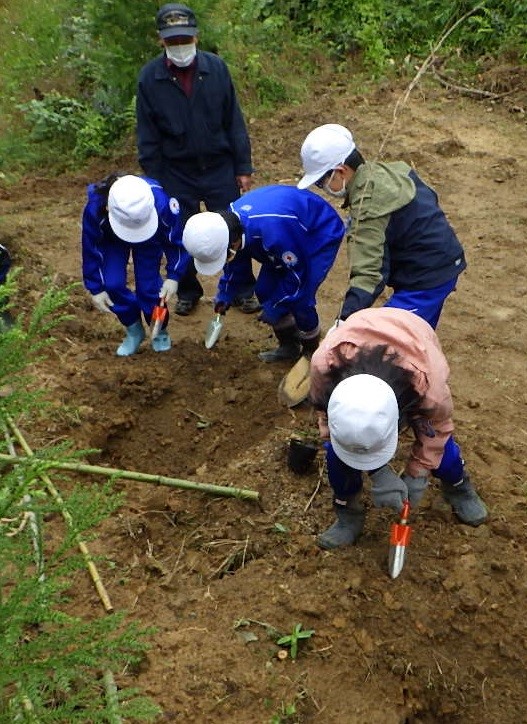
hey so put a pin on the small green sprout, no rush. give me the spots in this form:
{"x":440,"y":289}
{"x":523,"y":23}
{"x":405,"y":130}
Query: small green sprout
{"x":293,"y":638}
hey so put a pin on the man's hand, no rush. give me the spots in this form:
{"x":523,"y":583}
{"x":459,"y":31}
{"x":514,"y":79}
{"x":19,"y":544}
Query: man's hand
{"x":388,"y":489}
{"x":416,"y":487}
{"x":221,"y":307}
{"x":102,"y":301}
{"x":168,"y":289}
{"x":244,"y":182}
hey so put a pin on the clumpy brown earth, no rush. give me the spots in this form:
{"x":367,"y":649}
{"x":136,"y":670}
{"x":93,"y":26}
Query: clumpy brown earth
{"x":218,"y":577}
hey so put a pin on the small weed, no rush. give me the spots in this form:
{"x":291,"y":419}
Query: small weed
{"x":287,"y":713}
{"x":292,"y":639}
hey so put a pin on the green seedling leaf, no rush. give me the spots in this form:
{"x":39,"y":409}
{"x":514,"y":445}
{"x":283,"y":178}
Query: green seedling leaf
{"x":293,"y":638}
{"x":279,"y":528}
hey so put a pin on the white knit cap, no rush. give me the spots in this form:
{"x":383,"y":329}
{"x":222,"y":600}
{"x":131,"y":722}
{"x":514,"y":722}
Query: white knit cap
{"x":363,"y":419}
{"x":324,"y":149}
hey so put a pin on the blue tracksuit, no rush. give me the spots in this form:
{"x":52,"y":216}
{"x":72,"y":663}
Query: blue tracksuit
{"x":295,"y":235}
{"x":105,"y":256}
{"x":5,"y":263}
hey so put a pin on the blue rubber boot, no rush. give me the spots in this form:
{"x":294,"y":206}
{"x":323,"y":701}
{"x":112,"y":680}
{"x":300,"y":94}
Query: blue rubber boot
{"x":130,"y":344}
{"x":162,"y":343}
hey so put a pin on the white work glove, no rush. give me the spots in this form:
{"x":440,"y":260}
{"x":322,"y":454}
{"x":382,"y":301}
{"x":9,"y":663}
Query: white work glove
{"x":102,"y":301}
{"x":416,"y":487}
{"x":388,"y":489}
{"x":168,"y":289}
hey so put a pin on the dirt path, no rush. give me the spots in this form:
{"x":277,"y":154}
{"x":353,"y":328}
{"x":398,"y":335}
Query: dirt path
{"x":446,"y":641}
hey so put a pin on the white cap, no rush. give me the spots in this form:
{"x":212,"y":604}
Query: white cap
{"x":363,"y":419}
{"x":131,"y":209}
{"x":324,"y":149}
{"x":206,"y":238}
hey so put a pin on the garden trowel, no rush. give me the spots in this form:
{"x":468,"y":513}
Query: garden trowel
{"x":213,"y":331}
{"x":159,"y":314}
{"x":400,"y":535}
{"x":294,"y":387}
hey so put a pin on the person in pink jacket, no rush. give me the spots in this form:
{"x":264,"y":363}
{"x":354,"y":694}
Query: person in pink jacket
{"x":381,"y":371}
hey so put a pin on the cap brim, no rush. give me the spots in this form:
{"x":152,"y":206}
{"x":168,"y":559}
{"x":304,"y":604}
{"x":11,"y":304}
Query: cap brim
{"x":367,"y":461}
{"x":173,"y":33}
{"x":210,"y":267}
{"x":135,"y":235}
{"x":309,"y":179}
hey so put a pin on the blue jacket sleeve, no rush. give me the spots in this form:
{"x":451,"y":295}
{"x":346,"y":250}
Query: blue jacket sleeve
{"x":91,"y":240}
{"x":177,"y":257}
{"x":5,"y":263}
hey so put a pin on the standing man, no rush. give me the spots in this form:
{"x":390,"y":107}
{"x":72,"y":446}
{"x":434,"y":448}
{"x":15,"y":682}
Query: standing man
{"x":398,"y":235}
{"x":295,"y":236}
{"x":191,"y":134}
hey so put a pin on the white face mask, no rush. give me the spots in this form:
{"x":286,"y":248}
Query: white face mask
{"x":338,"y":194}
{"x":181,"y":55}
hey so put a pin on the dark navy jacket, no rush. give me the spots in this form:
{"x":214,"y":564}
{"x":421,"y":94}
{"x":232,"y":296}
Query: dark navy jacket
{"x":196,"y":133}
{"x":398,"y":235}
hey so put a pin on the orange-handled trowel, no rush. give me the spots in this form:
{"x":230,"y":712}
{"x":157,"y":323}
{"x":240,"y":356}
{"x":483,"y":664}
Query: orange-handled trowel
{"x":400,"y":535}
{"x":159,"y":314}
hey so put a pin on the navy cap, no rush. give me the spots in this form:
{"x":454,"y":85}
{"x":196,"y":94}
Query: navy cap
{"x":174,"y":19}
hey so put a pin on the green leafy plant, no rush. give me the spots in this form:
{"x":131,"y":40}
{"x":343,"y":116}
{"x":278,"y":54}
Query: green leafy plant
{"x":57,"y":666}
{"x":291,"y":640}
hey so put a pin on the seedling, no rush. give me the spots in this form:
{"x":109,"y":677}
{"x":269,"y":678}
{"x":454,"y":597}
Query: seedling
{"x":292,"y":639}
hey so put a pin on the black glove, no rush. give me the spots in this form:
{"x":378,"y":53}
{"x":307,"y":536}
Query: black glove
{"x":221,"y":307}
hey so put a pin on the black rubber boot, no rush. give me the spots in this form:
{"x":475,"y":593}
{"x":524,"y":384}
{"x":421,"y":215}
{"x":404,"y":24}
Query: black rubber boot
{"x":309,"y":346}
{"x":347,"y":528}
{"x":289,"y":346}
{"x":465,"y":502}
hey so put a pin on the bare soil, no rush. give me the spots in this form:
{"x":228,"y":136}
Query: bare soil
{"x":218,"y":577}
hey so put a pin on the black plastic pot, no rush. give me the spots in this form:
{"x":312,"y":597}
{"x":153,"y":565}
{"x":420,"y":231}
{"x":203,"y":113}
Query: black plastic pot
{"x":301,"y":455}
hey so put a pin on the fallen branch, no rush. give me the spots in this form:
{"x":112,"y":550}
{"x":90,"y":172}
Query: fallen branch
{"x":470,"y":92}
{"x":210,"y":488}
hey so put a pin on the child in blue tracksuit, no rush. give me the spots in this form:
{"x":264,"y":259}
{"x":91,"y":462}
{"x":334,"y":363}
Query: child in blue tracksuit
{"x":294,"y":235}
{"x":6,"y":320}
{"x":132,"y":215}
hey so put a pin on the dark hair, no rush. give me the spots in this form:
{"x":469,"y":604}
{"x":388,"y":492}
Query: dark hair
{"x":355,"y":159}
{"x":377,"y":361}
{"x":233,"y":224}
{"x":103,"y":187}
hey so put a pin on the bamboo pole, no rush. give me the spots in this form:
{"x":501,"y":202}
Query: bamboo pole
{"x":243,"y":493}
{"x":94,"y":573}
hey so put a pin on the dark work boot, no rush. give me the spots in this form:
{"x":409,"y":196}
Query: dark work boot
{"x":309,"y":346}
{"x":465,"y":502}
{"x":289,"y":346}
{"x":347,"y":528}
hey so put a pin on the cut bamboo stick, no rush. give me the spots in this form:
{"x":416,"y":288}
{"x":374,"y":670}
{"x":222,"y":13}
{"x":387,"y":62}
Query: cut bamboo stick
{"x":243,"y":493}
{"x":94,"y":573}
